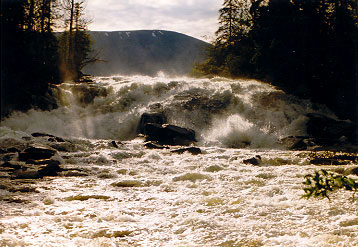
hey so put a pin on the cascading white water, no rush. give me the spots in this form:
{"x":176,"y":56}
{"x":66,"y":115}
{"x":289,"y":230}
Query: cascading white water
{"x":231,"y":113}
{"x":128,"y":195}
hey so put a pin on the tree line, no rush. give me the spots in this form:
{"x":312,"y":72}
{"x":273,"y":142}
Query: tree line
{"x":34,"y":56}
{"x":306,"y":47}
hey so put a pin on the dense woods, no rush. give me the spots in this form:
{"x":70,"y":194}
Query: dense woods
{"x":308,"y":48}
{"x":33,"y":56}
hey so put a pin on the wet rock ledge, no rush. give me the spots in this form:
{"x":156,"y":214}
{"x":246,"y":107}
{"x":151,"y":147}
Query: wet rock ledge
{"x":33,"y":157}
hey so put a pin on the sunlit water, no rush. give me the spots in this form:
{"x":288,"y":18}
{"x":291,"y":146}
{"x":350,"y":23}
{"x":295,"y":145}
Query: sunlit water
{"x":133,"y":196}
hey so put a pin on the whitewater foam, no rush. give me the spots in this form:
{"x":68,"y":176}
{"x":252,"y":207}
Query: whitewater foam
{"x":232,"y":113}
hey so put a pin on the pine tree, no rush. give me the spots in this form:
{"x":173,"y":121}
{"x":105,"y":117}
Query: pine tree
{"x":75,"y":43}
{"x":234,"y":21}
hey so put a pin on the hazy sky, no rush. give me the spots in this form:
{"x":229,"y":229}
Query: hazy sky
{"x":197,"y":18}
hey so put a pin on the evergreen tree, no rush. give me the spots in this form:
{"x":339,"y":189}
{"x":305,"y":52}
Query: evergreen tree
{"x":233,"y":21}
{"x":75,"y":43}
{"x":28,"y":55}
{"x":306,"y":47}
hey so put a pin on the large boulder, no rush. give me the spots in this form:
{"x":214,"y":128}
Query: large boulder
{"x":169,"y":134}
{"x":36,"y":152}
{"x":39,"y":169}
{"x":297,"y":142}
{"x":156,"y":118}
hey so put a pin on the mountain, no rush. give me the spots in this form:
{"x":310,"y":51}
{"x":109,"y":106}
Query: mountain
{"x":145,"y":52}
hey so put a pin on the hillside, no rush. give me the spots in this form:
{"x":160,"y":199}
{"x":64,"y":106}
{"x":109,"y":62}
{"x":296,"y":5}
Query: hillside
{"x":145,"y":52}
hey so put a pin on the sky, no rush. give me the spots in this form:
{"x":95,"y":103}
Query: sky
{"x":196,"y":18}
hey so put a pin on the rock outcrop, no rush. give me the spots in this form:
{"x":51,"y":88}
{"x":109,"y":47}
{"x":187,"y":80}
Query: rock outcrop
{"x":169,"y":134}
{"x":156,"y":130}
{"x":36,"y":152}
{"x":146,"y":118}
{"x":328,"y":131}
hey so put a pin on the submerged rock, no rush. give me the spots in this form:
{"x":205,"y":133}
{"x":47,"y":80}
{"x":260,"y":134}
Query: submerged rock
{"x":152,"y":145}
{"x":27,"y":174}
{"x":114,"y":144}
{"x":253,"y":161}
{"x":192,"y":150}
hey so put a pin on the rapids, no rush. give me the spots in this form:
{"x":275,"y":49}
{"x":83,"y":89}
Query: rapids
{"x":223,"y":112}
{"x":133,"y":196}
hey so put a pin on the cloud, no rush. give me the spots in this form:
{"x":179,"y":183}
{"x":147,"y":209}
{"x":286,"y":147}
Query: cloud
{"x":196,"y":18}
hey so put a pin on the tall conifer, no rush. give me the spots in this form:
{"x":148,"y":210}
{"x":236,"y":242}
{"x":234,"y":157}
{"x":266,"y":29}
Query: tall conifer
{"x":233,"y":20}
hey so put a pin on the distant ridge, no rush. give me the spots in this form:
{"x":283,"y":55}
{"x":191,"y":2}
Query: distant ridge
{"x":145,"y":52}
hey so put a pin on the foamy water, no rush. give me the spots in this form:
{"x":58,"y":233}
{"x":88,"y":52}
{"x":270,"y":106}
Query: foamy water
{"x":133,"y":196}
{"x":221,"y":111}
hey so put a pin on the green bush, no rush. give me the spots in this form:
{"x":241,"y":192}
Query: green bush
{"x":323,"y":182}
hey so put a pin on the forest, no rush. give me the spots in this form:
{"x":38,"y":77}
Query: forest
{"x":308,"y":48}
{"x":34,"y":56}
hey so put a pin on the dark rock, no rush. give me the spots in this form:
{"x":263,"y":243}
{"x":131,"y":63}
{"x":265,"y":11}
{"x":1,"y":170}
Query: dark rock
{"x":340,"y":159}
{"x":253,"y":161}
{"x":12,"y":145}
{"x":37,"y":134}
{"x":152,"y":145}
{"x":114,"y":144}
{"x":36,"y":152}
{"x":43,"y":162}
{"x":51,"y":169}
{"x":8,"y":157}
{"x":328,"y":131}
{"x":23,"y":189}
{"x":354,"y":171}
{"x":5,"y":175}
{"x":181,"y":133}
{"x":38,"y":171}
{"x":59,"y":139}
{"x":192,"y":150}
{"x":327,"y":161}
{"x":64,"y":147}
{"x":27,"y":174}
{"x":169,"y":134}
{"x":51,"y":139}
{"x":13,"y":150}
{"x":74,"y":174}
{"x":2,"y":151}
{"x":84,"y":79}
{"x":297,"y":142}
{"x":156,"y":118}
{"x":10,"y":165}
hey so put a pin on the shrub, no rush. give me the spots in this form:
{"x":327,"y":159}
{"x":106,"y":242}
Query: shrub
{"x":323,"y":182}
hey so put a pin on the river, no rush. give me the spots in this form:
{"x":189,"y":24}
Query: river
{"x":133,"y":196}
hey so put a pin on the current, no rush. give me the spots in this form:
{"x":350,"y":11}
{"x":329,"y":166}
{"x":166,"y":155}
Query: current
{"x":133,"y":196}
